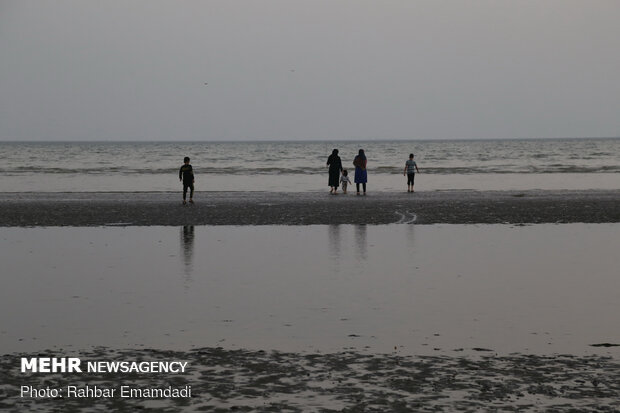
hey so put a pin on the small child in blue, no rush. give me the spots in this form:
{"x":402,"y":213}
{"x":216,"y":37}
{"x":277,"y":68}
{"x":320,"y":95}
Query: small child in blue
{"x":344,"y":180}
{"x":410,"y":169}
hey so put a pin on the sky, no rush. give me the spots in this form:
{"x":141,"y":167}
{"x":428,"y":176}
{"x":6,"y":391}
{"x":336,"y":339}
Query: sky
{"x":315,"y":69}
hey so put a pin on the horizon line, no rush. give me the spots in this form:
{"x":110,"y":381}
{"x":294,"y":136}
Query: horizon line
{"x":297,"y":140}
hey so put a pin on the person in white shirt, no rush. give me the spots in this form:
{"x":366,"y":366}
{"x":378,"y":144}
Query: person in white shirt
{"x":344,"y":180}
{"x":410,"y":169}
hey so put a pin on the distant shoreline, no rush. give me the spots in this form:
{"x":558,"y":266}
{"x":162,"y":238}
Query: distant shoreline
{"x":308,"y":208}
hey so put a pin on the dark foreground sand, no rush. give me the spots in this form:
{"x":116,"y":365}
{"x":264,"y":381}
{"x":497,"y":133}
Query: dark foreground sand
{"x":240,"y":380}
{"x":271,"y":208}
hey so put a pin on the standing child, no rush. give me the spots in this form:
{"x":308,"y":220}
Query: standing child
{"x":344,"y":180}
{"x":186,"y":174}
{"x":410,"y":169}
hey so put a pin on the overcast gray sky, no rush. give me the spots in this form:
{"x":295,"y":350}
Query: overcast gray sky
{"x":285,"y":69}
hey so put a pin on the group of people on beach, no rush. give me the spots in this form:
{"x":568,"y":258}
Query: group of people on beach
{"x":337,"y":174}
{"x":340,"y":176}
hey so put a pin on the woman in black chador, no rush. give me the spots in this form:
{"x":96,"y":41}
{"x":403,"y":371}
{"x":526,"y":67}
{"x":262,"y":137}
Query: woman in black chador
{"x":335,"y":167}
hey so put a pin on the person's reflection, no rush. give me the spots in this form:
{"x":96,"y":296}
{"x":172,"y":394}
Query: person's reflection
{"x":361,"y":241}
{"x":411,"y":235}
{"x":187,"y":246}
{"x":334,"y":242}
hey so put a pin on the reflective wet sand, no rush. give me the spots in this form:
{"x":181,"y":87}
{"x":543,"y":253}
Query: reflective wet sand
{"x":440,"y":289}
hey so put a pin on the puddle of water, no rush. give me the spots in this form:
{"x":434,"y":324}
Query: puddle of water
{"x":414,"y":289}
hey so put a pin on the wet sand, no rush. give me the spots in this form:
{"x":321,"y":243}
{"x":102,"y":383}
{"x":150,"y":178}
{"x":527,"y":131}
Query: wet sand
{"x":317,"y":318}
{"x":272,"y":208}
{"x":425,"y":290}
{"x":240,"y":380}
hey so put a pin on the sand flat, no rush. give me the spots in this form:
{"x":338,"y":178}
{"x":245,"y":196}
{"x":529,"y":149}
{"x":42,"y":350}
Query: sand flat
{"x":308,"y":208}
{"x":430,"y":289}
{"x":240,"y":380}
{"x":319,"y":318}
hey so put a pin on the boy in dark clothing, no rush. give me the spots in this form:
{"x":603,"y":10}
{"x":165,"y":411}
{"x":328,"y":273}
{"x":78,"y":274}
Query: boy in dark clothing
{"x":186,"y":174}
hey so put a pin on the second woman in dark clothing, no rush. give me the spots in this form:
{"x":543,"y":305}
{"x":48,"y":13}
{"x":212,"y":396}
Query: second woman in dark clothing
{"x":335,"y":167}
{"x":361,"y":177}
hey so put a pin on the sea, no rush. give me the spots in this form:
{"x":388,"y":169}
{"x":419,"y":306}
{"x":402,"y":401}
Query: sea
{"x":292,"y":166}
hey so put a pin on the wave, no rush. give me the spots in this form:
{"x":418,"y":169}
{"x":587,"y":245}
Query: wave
{"x":301,"y":170}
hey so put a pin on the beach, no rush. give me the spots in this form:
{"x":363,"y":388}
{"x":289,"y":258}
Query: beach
{"x":276,"y":208}
{"x":492,"y":287}
{"x":249,"y":381}
{"x":386,"y":317}
{"x":486,"y":281}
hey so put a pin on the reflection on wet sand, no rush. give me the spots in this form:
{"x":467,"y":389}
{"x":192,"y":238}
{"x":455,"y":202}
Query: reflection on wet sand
{"x":515,"y":289}
{"x":187,"y":250}
{"x":411,"y":235}
{"x":334,"y":233}
{"x":361,"y":241}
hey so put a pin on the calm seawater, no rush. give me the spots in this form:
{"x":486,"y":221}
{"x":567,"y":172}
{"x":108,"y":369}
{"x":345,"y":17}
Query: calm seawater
{"x":587,"y":163}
